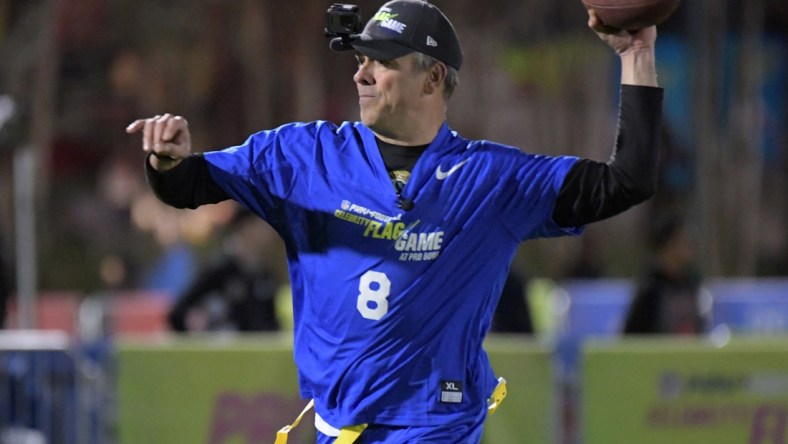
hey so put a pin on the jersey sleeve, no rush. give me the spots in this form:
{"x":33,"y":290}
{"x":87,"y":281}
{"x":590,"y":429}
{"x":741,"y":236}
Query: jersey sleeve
{"x":530,"y":188}
{"x":261,"y":173}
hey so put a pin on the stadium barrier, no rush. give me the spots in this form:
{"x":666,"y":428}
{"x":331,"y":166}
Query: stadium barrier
{"x":243,"y":389}
{"x":594,"y":309}
{"x":50,"y":392}
{"x":685,"y":391}
{"x":750,"y":306}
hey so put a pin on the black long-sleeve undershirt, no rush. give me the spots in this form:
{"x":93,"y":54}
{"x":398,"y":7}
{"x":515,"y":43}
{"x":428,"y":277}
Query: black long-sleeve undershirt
{"x":591,"y":191}
{"x":188,"y":185}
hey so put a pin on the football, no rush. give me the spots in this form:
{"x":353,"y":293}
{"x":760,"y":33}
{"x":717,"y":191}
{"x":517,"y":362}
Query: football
{"x":632,"y":14}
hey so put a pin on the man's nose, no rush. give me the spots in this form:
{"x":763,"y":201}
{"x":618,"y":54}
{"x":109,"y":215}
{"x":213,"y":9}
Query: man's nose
{"x":363,"y":75}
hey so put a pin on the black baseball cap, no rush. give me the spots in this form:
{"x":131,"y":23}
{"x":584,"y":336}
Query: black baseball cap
{"x":403,"y":26}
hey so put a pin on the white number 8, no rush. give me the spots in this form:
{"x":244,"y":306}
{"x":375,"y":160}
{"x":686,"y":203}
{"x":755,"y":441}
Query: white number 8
{"x":373,"y":296}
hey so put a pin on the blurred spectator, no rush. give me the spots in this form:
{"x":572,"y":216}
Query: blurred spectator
{"x":236,"y":292}
{"x":667,"y":298}
{"x":174,"y":269}
{"x":107,"y":217}
{"x":513,"y":315}
{"x":5,"y":287}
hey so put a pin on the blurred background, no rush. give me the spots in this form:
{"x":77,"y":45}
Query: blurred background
{"x":79,"y":71}
{"x":87,"y":250}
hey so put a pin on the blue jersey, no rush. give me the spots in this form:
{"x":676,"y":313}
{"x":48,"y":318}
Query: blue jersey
{"x":391,"y":306}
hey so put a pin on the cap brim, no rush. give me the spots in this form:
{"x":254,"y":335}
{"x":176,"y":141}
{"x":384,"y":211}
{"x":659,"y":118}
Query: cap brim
{"x":380,"y":49}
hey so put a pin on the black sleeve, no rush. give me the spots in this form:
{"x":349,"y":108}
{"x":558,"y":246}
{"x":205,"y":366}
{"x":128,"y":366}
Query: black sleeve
{"x":594,"y":190}
{"x":188,"y":185}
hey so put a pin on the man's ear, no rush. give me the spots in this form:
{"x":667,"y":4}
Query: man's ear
{"x":435,"y":77}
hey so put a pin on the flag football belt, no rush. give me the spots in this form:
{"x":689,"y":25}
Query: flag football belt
{"x":349,"y":434}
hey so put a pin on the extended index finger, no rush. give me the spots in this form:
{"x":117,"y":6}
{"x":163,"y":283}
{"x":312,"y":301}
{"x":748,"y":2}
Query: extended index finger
{"x":135,"y":126}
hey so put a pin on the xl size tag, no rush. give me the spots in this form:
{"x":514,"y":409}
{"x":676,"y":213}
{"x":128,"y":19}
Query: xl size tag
{"x":451,"y":392}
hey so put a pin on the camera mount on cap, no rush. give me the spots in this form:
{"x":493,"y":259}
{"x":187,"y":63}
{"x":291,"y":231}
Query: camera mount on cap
{"x":343,"y":24}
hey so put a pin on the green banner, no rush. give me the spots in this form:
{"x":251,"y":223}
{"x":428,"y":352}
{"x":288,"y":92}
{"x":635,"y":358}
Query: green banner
{"x":528,"y":414}
{"x":242,"y":390}
{"x":208,"y":391}
{"x":685,"y":391}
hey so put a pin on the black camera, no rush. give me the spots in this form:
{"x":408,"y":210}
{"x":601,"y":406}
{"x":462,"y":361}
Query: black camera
{"x":343,"y":23}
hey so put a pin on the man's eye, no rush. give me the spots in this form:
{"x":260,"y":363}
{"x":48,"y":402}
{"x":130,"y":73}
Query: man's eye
{"x":361,"y":59}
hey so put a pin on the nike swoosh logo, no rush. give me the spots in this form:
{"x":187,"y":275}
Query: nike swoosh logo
{"x":444,"y":174}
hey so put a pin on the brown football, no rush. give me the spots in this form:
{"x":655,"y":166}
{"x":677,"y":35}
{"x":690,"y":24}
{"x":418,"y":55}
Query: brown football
{"x":632,"y":14}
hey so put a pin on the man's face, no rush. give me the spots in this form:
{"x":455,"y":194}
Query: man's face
{"x":389,"y":92}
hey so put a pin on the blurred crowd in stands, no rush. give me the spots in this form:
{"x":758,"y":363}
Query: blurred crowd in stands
{"x":236,"y":67}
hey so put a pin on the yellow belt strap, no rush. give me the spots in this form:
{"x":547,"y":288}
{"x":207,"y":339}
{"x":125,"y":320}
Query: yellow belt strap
{"x":347,"y":435}
{"x":497,"y":396}
{"x":281,"y":435}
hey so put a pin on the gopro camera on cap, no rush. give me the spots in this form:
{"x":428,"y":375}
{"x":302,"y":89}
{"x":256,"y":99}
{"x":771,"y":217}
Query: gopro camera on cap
{"x":343,"y":22}
{"x":343,"y":19}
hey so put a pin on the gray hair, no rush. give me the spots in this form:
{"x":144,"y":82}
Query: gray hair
{"x":425,"y":62}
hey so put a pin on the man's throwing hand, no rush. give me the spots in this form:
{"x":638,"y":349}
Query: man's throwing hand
{"x":620,"y":40}
{"x":167,"y":137}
